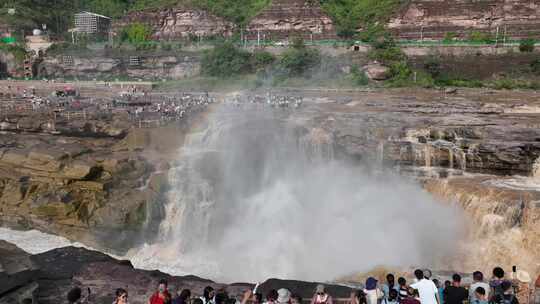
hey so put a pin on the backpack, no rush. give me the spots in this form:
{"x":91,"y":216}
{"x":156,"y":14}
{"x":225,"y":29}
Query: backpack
{"x":506,"y":299}
{"x":497,"y":290}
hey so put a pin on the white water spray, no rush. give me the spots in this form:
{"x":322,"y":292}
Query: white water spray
{"x":250,"y":201}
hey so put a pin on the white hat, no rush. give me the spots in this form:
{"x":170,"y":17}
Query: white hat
{"x":284,"y":296}
{"x":523,"y":276}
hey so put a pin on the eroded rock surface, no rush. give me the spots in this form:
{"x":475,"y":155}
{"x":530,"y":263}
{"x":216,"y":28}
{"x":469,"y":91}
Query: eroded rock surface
{"x":433,"y":19}
{"x":98,"y":275}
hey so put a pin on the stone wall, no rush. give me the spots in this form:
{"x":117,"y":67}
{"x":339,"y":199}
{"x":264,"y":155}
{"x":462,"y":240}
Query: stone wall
{"x":150,"y":67}
{"x":433,"y":19}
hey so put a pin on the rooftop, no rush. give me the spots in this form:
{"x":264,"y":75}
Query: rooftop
{"x":93,"y":14}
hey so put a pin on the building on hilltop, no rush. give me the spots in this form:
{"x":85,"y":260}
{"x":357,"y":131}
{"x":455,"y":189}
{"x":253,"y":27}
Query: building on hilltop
{"x":91,"y":23}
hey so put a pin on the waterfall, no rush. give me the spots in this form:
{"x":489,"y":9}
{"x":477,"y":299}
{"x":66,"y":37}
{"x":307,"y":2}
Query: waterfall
{"x":318,"y":144}
{"x":255,"y":196}
{"x":451,"y":158}
{"x":427,"y":155}
{"x":536,"y":170}
{"x":380,"y":153}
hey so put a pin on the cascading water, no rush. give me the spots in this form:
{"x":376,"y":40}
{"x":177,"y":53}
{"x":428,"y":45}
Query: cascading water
{"x":254,"y":196}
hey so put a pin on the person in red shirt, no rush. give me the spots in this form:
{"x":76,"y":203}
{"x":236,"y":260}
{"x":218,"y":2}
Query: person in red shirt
{"x":162,"y":295}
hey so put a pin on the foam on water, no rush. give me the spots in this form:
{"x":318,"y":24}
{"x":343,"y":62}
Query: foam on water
{"x":34,"y":242}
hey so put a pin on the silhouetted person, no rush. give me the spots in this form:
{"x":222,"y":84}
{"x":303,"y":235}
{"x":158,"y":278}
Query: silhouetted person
{"x":456,"y":294}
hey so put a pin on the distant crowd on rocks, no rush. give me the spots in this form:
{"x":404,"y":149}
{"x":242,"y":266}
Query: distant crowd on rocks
{"x":423,"y":290}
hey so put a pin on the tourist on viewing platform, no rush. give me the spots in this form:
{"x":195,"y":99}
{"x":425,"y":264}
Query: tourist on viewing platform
{"x":74,"y":295}
{"x":208,"y":295}
{"x":390,"y":284}
{"x":496,"y":282}
{"x":373,"y":293}
{"x":121,"y":296}
{"x":455,"y":294}
{"x":478,"y":278}
{"x":295,"y":299}
{"x":183,"y":297}
{"x":522,"y":288}
{"x":222,"y":298}
{"x":426,"y":289}
{"x":254,"y":298}
{"x":412,"y":298}
{"x":392,"y":297}
{"x":439,"y":289}
{"x":403,"y":289}
{"x":162,"y":295}
{"x":358,"y":297}
{"x":271,"y":297}
{"x":284,"y":296}
{"x":480,"y":296}
{"x":507,"y":296}
{"x":321,"y":296}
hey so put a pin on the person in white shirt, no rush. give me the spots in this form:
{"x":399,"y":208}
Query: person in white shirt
{"x":478,"y":278}
{"x":426,"y":288}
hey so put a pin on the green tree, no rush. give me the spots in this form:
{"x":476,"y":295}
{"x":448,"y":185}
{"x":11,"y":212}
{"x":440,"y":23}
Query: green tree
{"x":236,"y":11}
{"x":136,"y":33}
{"x":298,"y":59}
{"x":225,"y":60}
{"x":527,"y":45}
{"x":109,"y":8}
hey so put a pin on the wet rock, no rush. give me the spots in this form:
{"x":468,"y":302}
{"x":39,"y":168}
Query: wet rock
{"x":78,"y":170}
{"x":16,"y":267}
{"x":55,"y":272}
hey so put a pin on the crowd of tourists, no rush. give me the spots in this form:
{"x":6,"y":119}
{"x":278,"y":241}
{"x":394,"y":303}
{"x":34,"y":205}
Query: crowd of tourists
{"x":423,"y":290}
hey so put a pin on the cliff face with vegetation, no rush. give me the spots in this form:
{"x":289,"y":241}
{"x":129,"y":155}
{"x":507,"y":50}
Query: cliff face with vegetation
{"x":434,"y":19}
{"x":413,"y":19}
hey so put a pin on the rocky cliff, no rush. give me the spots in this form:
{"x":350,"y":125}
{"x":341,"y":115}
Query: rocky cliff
{"x":282,"y":19}
{"x":289,"y":19}
{"x":462,"y":147}
{"x":146,"y":67}
{"x":94,"y":180}
{"x":177,"y":23}
{"x":48,"y":277}
{"x":514,"y":19}
{"x":418,"y":19}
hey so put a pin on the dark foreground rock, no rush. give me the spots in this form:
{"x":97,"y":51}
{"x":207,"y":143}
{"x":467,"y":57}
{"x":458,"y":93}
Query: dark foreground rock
{"x":48,"y":277}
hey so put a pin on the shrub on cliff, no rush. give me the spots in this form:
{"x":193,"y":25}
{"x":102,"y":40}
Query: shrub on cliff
{"x":358,"y":76}
{"x":262,"y":59}
{"x":527,"y":45}
{"x":225,"y":60}
{"x":385,"y":50}
{"x":110,"y":8}
{"x":535,"y":66}
{"x":480,"y":37}
{"x":350,"y":15}
{"x":433,"y":66}
{"x":136,"y":33}
{"x":298,"y":59}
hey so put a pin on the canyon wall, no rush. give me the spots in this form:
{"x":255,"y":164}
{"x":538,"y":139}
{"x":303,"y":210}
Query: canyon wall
{"x":178,"y":23}
{"x":418,"y":19}
{"x":282,"y":19}
{"x":432,"y":19}
{"x":289,"y":19}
